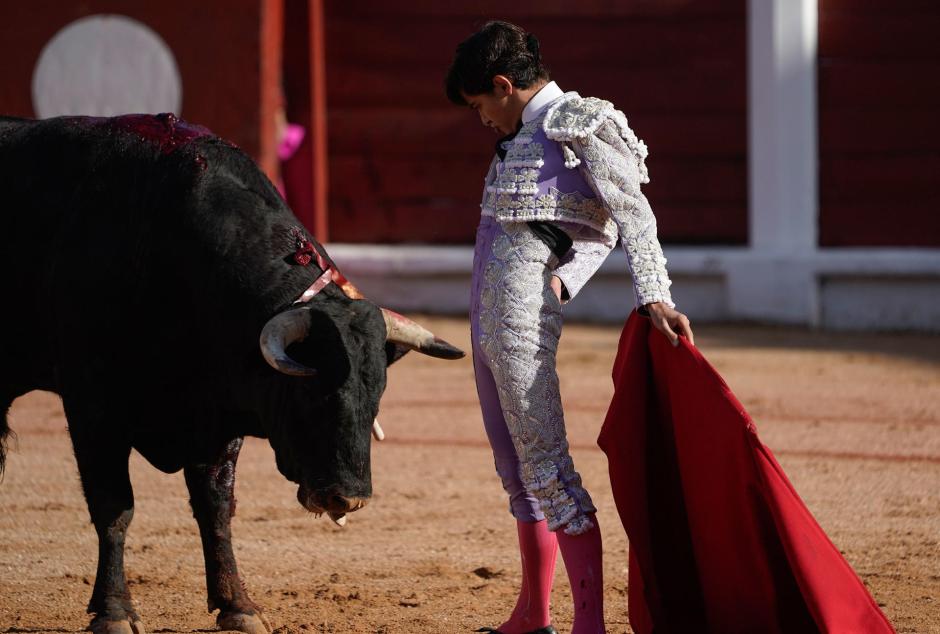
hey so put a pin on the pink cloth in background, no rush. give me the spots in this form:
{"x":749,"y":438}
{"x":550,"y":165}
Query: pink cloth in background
{"x":293,"y":136}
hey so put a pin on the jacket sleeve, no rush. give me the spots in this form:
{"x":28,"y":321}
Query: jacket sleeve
{"x":580,"y":263}
{"x":611,"y":160}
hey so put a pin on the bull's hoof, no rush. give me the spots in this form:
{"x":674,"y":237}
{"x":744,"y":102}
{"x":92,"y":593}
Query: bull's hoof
{"x":247,"y":623}
{"x":125,"y":626}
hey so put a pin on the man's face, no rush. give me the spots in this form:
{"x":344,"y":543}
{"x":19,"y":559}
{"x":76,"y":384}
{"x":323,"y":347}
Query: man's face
{"x":499,"y":109}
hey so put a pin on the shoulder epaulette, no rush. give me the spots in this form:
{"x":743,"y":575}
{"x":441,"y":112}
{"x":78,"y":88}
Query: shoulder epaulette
{"x":575,"y":117}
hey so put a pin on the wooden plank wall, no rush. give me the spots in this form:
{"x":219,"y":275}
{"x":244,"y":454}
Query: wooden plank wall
{"x":879,"y":98}
{"x":406,"y":166}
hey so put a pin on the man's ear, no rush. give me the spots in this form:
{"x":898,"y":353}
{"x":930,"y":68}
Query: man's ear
{"x":502,"y":86}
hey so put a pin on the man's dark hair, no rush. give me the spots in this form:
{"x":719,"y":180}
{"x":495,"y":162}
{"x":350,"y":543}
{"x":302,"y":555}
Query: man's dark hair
{"x":499,"y":48}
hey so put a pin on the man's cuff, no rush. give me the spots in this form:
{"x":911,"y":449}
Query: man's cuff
{"x":569,"y":283}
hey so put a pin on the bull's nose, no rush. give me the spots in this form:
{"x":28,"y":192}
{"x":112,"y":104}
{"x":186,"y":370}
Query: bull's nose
{"x":343,"y":504}
{"x":329,"y":501}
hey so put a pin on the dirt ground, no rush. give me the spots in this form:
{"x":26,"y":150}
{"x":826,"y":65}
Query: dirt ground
{"x":853,"y":419}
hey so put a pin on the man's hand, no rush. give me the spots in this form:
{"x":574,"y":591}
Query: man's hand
{"x":556,"y":286}
{"x":669,"y":321}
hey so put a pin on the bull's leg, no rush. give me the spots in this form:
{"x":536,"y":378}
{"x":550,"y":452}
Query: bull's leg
{"x":102,"y":464}
{"x":212,"y":496}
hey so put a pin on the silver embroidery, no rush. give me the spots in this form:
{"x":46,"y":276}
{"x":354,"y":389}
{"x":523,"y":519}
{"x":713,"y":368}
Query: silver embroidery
{"x":597,"y":137}
{"x":615,"y":172}
{"x":520,"y":169}
{"x":520,"y":324}
{"x":555,"y":205}
{"x":582,"y":260}
{"x":513,"y":194}
{"x":572,"y":117}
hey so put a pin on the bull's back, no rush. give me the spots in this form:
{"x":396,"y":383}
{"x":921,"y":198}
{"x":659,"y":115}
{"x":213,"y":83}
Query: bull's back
{"x":88,"y":217}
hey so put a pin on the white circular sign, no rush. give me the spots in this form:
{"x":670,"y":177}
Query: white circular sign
{"x":106,"y":65}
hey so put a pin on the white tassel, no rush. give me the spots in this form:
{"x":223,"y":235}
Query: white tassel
{"x":571,"y":160}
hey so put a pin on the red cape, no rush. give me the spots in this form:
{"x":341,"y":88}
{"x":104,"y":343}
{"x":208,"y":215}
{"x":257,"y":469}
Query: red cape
{"x":719,"y":539}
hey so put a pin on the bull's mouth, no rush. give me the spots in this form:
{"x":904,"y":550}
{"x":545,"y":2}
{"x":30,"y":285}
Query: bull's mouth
{"x":330,"y":502}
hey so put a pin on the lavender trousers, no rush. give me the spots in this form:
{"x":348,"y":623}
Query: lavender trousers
{"x":515,"y":324}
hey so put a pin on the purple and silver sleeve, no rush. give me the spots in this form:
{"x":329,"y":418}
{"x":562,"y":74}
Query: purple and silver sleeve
{"x":613,"y":169}
{"x":588,"y":251}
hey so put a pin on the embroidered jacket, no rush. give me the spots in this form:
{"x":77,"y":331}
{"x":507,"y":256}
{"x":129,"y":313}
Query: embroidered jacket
{"x":578,"y":164}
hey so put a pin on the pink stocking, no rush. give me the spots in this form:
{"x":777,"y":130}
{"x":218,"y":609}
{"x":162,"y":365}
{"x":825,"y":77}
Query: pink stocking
{"x":584,"y":561}
{"x":538,"y":548}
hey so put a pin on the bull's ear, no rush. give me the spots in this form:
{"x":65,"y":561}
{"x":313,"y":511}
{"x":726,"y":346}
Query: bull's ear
{"x":395,"y":351}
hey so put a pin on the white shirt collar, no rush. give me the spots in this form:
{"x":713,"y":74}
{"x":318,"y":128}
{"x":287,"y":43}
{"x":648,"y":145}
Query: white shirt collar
{"x":540,"y":100}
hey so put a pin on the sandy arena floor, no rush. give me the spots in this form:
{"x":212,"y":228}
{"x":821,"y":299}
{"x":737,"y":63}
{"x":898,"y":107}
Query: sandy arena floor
{"x":854,"y":420}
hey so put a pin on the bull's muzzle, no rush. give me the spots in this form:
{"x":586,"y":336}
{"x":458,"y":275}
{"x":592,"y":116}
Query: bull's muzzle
{"x":331,"y":502}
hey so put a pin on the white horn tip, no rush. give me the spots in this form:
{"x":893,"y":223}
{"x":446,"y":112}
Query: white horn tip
{"x":377,"y":430}
{"x":339,"y":519}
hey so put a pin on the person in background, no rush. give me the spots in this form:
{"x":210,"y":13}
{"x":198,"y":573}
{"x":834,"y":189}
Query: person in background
{"x":289,"y":137}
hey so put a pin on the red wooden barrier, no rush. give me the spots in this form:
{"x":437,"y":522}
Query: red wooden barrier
{"x":406,"y":166}
{"x":879,"y":138}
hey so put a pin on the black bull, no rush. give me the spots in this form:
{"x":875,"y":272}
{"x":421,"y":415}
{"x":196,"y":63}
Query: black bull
{"x":141,"y":258}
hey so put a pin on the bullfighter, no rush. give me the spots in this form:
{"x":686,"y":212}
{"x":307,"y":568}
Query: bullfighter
{"x":561,"y":191}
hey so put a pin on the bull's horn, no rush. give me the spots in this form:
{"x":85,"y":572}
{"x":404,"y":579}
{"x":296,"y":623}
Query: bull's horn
{"x":282,"y":330}
{"x":377,"y":430}
{"x":338,"y":518}
{"x":402,"y":330}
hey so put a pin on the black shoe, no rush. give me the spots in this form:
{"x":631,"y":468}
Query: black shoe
{"x":548,"y":629}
